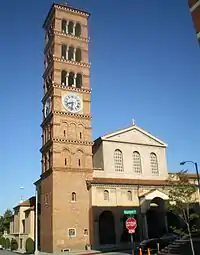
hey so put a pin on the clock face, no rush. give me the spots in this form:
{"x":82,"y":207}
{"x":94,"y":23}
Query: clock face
{"x":47,"y":107}
{"x":72,"y":103}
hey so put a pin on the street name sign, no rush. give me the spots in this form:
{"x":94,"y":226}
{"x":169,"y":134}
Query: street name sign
{"x":130,"y":212}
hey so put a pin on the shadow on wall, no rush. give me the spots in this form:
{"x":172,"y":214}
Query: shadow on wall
{"x":109,"y":225}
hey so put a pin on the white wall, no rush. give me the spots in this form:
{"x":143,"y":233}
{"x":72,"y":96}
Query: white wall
{"x":127,"y":148}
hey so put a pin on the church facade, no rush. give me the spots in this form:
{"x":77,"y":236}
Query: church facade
{"x":85,"y":186}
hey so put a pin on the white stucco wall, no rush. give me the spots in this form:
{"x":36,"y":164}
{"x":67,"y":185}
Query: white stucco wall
{"x":127,"y":149}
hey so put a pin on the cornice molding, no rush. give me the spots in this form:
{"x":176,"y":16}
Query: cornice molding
{"x":47,"y":70}
{"x":46,"y":146}
{"x":79,"y":38}
{"x":82,"y":90}
{"x":67,"y":88}
{"x":47,"y":94}
{"x":46,"y":120}
{"x":71,"y":62}
{"x":133,"y":186}
{"x":70,"y":169}
{"x":81,"y":116}
{"x":72,"y":10}
{"x":69,"y":141}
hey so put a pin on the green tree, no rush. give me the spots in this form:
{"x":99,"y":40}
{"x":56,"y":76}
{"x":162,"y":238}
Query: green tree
{"x":6,"y":220}
{"x":3,"y":242}
{"x":182,"y":201}
{"x":1,"y":225}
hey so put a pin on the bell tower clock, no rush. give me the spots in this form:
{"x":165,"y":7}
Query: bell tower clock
{"x":66,"y":131}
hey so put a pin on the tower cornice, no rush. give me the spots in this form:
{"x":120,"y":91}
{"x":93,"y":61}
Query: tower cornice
{"x":69,"y":141}
{"x":65,"y":8}
{"x":81,"y":116}
{"x":82,"y":64}
{"x":67,"y":88}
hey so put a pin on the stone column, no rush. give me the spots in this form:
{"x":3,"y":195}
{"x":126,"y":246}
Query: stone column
{"x":67,"y":79}
{"x":74,"y":26}
{"x":67,"y":49}
{"x":74,"y":85}
{"x":74,"y":56}
{"x":66,"y":29}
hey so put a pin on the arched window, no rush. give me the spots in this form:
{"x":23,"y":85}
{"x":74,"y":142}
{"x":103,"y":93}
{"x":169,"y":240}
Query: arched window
{"x":80,"y":158}
{"x":78,"y":80}
{"x":64,"y":51}
{"x":106,"y":195}
{"x":70,"y":28}
{"x":137,"y":168}
{"x":118,"y":161}
{"x":77,"y":29}
{"x":71,"y":79}
{"x":154,"y":164}
{"x":73,"y":196}
{"x":64,"y":77}
{"x":129,"y":195}
{"x":63,"y":26}
{"x":71,"y":53}
{"x":78,"y":55}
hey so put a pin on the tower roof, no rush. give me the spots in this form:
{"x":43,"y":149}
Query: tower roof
{"x":65,"y":7}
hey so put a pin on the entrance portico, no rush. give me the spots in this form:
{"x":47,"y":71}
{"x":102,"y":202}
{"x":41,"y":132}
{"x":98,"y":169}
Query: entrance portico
{"x":154,"y":213}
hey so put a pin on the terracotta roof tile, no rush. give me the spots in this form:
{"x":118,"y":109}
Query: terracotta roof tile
{"x":28,"y":202}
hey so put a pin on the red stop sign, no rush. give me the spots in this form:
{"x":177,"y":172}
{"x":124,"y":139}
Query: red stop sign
{"x":131,"y":224}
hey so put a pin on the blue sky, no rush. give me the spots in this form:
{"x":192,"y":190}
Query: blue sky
{"x":145,"y":65}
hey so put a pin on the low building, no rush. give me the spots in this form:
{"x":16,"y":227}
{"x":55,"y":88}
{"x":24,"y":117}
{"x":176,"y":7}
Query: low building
{"x":22,"y":225}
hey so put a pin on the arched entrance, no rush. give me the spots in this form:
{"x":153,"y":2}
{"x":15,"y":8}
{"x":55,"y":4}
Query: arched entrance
{"x":107,"y":233}
{"x":156,"y":218}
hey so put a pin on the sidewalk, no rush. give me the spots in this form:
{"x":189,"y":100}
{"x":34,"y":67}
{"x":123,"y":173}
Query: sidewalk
{"x":74,"y":252}
{"x":105,"y":249}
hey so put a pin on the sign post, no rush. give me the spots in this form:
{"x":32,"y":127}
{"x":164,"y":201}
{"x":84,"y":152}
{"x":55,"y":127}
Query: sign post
{"x":131,"y":225}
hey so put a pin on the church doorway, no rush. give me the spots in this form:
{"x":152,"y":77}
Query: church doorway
{"x":156,"y":218}
{"x":107,"y":233}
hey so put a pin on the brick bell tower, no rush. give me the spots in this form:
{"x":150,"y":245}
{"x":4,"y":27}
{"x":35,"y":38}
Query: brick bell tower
{"x":66,"y":131}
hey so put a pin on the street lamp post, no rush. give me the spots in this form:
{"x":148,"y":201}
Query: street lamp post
{"x":197,"y":173}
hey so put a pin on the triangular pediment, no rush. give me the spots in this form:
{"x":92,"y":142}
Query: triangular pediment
{"x":153,"y":194}
{"x":134,"y":135}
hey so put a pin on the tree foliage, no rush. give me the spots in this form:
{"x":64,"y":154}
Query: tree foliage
{"x":182,"y":201}
{"x":5,"y":221}
{"x":3,"y":241}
